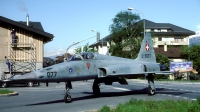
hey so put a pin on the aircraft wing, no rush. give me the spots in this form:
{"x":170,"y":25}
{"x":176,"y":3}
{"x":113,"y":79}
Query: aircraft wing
{"x":139,"y":73}
{"x":165,"y":72}
{"x":132,"y":69}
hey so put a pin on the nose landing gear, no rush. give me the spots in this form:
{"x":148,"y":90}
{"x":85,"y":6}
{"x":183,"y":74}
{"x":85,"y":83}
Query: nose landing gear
{"x":67,"y":97}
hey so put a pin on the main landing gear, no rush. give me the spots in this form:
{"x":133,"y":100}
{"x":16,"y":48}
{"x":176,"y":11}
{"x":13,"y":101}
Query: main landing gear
{"x":67,"y":97}
{"x":95,"y":88}
{"x":151,"y":87}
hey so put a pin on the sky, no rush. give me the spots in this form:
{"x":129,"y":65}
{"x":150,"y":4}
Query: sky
{"x":72,"y":20}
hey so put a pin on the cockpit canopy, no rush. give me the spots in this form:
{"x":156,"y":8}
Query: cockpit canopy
{"x":82,"y":56}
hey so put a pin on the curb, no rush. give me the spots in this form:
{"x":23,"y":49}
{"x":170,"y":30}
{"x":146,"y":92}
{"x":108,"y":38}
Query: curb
{"x":9,"y":94}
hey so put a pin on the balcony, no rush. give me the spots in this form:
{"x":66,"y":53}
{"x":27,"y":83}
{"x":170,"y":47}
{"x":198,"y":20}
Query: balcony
{"x":172,"y":42}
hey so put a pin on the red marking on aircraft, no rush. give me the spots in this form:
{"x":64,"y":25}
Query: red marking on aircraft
{"x":88,"y":65}
{"x":147,"y":47}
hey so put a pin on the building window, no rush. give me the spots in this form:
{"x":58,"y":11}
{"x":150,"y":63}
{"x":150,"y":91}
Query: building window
{"x":182,"y":39}
{"x":178,"y":39}
{"x":160,"y":46}
{"x":169,"y":30}
{"x":163,"y":30}
{"x":148,"y":30}
{"x":159,"y":39}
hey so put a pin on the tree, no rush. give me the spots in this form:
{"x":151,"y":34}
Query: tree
{"x":78,"y":50}
{"x":85,"y":49}
{"x":191,"y":53}
{"x":164,"y":60}
{"x":125,"y":35}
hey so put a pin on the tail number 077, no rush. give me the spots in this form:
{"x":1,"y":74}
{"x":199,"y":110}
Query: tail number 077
{"x":51,"y":74}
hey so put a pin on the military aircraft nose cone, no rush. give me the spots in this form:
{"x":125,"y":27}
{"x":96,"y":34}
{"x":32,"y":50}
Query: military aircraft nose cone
{"x":28,"y":76}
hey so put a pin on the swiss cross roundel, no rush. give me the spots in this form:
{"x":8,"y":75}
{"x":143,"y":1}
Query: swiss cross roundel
{"x":147,"y":47}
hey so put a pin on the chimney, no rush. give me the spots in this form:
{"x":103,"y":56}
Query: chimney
{"x":27,"y":20}
{"x":165,"y":47}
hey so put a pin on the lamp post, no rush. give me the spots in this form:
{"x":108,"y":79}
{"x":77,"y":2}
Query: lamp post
{"x":129,"y":8}
{"x":75,"y":43}
{"x":98,"y":34}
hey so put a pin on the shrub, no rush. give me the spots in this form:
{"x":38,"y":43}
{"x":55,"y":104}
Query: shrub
{"x":105,"y":108}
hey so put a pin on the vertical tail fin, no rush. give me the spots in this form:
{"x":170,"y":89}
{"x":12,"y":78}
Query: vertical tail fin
{"x":146,"y":53}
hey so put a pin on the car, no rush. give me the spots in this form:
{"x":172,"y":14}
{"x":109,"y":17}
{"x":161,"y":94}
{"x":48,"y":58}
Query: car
{"x":163,"y":67}
{"x":8,"y":82}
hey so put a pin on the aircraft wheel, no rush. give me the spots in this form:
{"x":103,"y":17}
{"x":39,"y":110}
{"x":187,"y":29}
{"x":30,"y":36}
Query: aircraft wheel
{"x":96,"y":90}
{"x":30,"y":84}
{"x":150,"y":91}
{"x":4,"y":85}
{"x":67,"y":98}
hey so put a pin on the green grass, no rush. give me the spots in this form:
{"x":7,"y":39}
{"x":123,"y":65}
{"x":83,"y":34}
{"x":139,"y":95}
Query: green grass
{"x":155,"y":106}
{"x":5,"y":91}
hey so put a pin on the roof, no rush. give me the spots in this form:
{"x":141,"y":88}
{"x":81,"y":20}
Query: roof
{"x":175,"y":30}
{"x":60,"y":59}
{"x":35,"y":27}
{"x":104,"y":40}
{"x":173,"y":52}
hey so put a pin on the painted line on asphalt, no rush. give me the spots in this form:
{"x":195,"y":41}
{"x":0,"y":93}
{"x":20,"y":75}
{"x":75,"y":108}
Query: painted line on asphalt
{"x":118,"y":88}
{"x":123,"y":89}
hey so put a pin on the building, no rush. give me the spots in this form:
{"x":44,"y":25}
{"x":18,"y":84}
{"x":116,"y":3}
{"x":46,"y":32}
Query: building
{"x":26,"y":52}
{"x":102,"y":45}
{"x":194,"y":39}
{"x":60,"y":59}
{"x":168,"y":39}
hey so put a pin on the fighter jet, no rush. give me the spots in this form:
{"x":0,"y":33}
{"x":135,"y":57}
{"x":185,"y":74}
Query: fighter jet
{"x":102,"y":68}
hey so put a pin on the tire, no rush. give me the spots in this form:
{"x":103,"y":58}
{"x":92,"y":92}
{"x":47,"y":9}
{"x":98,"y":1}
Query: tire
{"x":4,"y":85}
{"x":30,"y":84}
{"x":96,"y":90}
{"x":150,"y":91}
{"x":67,"y":98}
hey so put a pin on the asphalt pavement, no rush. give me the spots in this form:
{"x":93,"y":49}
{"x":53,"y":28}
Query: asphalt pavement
{"x":42,"y":98}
